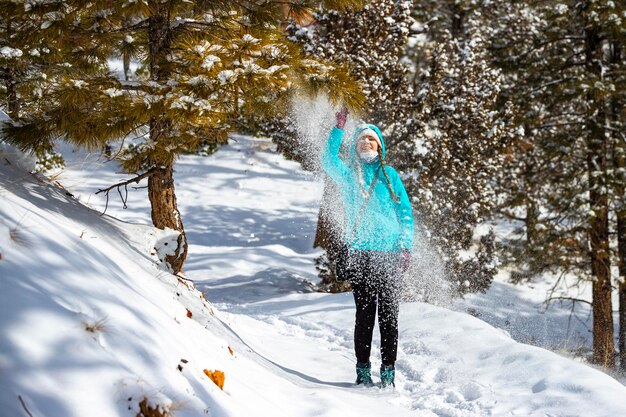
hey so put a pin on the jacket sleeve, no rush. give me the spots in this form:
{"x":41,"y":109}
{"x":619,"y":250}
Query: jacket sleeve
{"x":404,"y":213}
{"x":331,"y":163}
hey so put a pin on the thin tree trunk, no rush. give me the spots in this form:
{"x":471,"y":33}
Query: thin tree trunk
{"x":13,"y":103}
{"x":621,"y":242}
{"x":603,"y":333}
{"x":458,"y":21}
{"x":164,"y":209}
{"x":532,"y":218}
{"x":125,"y":54}
{"x":126,"y":58}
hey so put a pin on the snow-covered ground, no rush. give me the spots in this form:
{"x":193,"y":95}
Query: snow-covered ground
{"x":91,"y":324}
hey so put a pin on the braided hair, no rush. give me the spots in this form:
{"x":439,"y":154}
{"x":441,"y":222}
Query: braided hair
{"x":382,"y":165}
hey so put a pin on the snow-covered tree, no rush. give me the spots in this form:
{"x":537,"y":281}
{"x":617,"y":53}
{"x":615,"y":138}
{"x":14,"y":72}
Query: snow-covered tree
{"x":436,"y":99}
{"x":567,"y":79}
{"x":205,"y":63}
{"x":460,"y":130}
{"x":27,"y":64}
{"x":456,"y":154}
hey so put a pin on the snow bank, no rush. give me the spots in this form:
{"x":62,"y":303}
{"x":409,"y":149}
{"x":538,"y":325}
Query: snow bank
{"x":91,"y":325}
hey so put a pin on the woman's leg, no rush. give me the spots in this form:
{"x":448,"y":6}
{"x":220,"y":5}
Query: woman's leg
{"x":388,"y":279}
{"x":364,"y":292}
{"x":388,"y":306}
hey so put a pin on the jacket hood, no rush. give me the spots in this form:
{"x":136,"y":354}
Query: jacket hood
{"x":357,"y":131}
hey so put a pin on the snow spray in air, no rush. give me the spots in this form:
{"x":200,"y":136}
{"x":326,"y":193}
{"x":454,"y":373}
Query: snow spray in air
{"x":314,"y":119}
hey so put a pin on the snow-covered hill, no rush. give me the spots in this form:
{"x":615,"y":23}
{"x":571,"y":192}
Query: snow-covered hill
{"x":91,"y":325}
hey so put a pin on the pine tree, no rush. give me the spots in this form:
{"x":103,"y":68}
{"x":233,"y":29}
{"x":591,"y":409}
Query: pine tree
{"x":205,"y":62}
{"x":462,"y":126}
{"x":450,"y":70}
{"x":29,"y":62}
{"x":558,"y":61}
{"x":461,"y":138}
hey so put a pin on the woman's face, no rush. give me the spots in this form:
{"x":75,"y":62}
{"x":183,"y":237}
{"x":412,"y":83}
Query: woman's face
{"x":366,"y":143}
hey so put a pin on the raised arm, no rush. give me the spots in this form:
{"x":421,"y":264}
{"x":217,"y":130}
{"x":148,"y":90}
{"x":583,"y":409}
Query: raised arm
{"x":331,"y":163}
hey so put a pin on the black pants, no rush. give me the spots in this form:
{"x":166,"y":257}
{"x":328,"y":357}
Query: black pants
{"x":375,"y":283}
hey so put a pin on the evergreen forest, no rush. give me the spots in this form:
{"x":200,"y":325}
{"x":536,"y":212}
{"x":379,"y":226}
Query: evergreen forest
{"x":494,"y":113}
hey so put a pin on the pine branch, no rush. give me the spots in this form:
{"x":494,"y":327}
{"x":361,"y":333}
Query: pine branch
{"x":199,"y":25}
{"x":555,"y":82}
{"x":133,"y":28}
{"x":551,"y":125}
{"x":540,"y":45}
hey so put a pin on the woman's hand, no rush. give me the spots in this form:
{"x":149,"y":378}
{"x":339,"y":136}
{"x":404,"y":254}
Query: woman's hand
{"x":342,"y":117}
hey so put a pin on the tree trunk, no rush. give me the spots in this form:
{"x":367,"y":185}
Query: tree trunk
{"x":458,"y":21}
{"x":159,"y":38}
{"x":603,"y":342}
{"x":165,"y":213}
{"x":328,"y":236}
{"x":164,"y":210}
{"x":13,"y":103}
{"x":532,"y":218}
{"x":128,"y":22}
{"x":126,"y":59}
{"x":617,"y":121}
{"x":621,"y":238}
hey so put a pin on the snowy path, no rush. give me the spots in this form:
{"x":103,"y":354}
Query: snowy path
{"x":250,"y":219}
{"x":306,"y":336}
{"x":268,"y":227}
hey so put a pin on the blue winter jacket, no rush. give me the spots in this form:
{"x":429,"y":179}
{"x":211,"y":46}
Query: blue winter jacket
{"x":385,"y":225}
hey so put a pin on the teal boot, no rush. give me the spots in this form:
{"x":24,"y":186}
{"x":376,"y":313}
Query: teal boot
{"x":387,"y":376}
{"x":364,"y":373}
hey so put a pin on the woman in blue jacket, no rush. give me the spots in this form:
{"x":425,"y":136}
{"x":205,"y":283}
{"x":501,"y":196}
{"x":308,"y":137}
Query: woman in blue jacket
{"x":378,"y":229}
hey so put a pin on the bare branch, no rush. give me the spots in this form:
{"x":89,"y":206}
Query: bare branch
{"x":124,"y":184}
{"x":138,"y":178}
{"x":573,"y":300}
{"x":24,"y":405}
